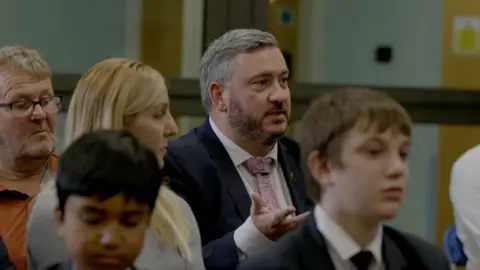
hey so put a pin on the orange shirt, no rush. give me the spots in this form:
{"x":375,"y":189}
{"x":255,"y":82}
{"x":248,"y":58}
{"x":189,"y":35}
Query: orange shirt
{"x":14,"y":210}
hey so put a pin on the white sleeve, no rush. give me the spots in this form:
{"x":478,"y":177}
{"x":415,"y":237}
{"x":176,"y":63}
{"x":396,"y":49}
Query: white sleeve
{"x":249,"y":240}
{"x":465,"y":198}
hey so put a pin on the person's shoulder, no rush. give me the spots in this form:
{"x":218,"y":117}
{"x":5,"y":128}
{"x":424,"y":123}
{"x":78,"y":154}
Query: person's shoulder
{"x":181,"y":149}
{"x":422,"y":244}
{"x":468,"y":159}
{"x":184,"y":151}
{"x":186,"y":140}
{"x":430,"y":253}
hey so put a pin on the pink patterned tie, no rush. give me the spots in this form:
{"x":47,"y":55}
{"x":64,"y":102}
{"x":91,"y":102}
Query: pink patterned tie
{"x":261,"y":168}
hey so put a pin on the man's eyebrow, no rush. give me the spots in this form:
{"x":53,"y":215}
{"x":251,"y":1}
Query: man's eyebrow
{"x":269,"y":73}
{"x":16,"y":95}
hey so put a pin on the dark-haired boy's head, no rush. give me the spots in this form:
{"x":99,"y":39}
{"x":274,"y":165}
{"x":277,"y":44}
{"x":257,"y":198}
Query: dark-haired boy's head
{"x":355,"y":144}
{"x":107,"y":185}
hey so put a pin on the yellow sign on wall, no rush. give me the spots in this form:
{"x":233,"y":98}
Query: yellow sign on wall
{"x":466,"y":34}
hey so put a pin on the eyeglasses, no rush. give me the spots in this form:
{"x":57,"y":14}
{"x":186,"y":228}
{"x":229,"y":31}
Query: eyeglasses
{"x":24,"y":108}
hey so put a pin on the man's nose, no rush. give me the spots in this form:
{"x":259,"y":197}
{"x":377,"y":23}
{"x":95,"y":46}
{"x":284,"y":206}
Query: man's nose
{"x":38,"y":113}
{"x":280,"y":94}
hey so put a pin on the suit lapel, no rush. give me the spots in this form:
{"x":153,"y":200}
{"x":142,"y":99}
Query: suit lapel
{"x":392,"y":256}
{"x":314,"y":252}
{"x":226,"y":169}
{"x":294,"y":180}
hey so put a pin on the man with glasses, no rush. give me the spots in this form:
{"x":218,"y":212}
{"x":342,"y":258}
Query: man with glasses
{"x":28,"y":111}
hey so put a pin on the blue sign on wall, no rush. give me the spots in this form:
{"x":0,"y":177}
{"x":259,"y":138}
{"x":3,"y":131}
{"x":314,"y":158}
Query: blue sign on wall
{"x":285,"y":16}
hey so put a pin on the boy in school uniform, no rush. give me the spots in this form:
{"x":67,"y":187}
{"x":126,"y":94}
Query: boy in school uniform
{"x":107,"y":185}
{"x":355,"y":144}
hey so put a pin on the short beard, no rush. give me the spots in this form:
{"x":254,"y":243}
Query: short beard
{"x":248,"y":127}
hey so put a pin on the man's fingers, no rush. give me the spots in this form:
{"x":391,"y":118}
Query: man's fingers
{"x":292,"y":222}
{"x":280,"y":215}
{"x":282,"y":223}
{"x":299,"y":218}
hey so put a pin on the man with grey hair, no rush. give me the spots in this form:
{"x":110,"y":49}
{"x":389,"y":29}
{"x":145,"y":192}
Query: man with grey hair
{"x":28,"y":110}
{"x":238,"y":172}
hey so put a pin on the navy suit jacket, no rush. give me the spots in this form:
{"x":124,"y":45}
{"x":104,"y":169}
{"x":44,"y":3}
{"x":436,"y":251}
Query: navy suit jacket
{"x":201,"y":171}
{"x":306,"y":249}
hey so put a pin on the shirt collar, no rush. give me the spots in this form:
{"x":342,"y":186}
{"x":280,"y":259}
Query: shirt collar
{"x":236,"y":153}
{"x":341,"y":241}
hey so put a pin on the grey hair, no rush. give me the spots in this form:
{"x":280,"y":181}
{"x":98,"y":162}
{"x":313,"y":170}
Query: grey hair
{"x":18,"y":58}
{"x":215,"y":62}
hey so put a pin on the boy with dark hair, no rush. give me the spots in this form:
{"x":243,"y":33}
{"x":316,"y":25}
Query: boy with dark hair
{"x":107,"y":185}
{"x":355,"y":144}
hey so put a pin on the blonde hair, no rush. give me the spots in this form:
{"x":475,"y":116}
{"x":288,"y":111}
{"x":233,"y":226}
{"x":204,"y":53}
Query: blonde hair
{"x":17,"y":58}
{"x":109,"y":91}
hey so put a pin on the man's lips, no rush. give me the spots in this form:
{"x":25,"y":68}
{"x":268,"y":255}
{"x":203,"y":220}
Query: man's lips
{"x":40,"y":132}
{"x":277,"y":112}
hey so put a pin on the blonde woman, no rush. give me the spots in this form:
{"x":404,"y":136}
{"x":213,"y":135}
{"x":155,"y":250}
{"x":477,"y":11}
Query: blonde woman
{"x":123,"y":94}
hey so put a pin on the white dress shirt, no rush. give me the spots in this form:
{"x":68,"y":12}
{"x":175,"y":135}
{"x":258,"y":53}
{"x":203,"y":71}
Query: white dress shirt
{"x":247,"y":237}
{"x":341,"y":246}
{"x":465,"y":198}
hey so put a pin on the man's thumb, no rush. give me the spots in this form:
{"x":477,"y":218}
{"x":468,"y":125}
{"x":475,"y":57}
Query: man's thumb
{"x":257,"y":204}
